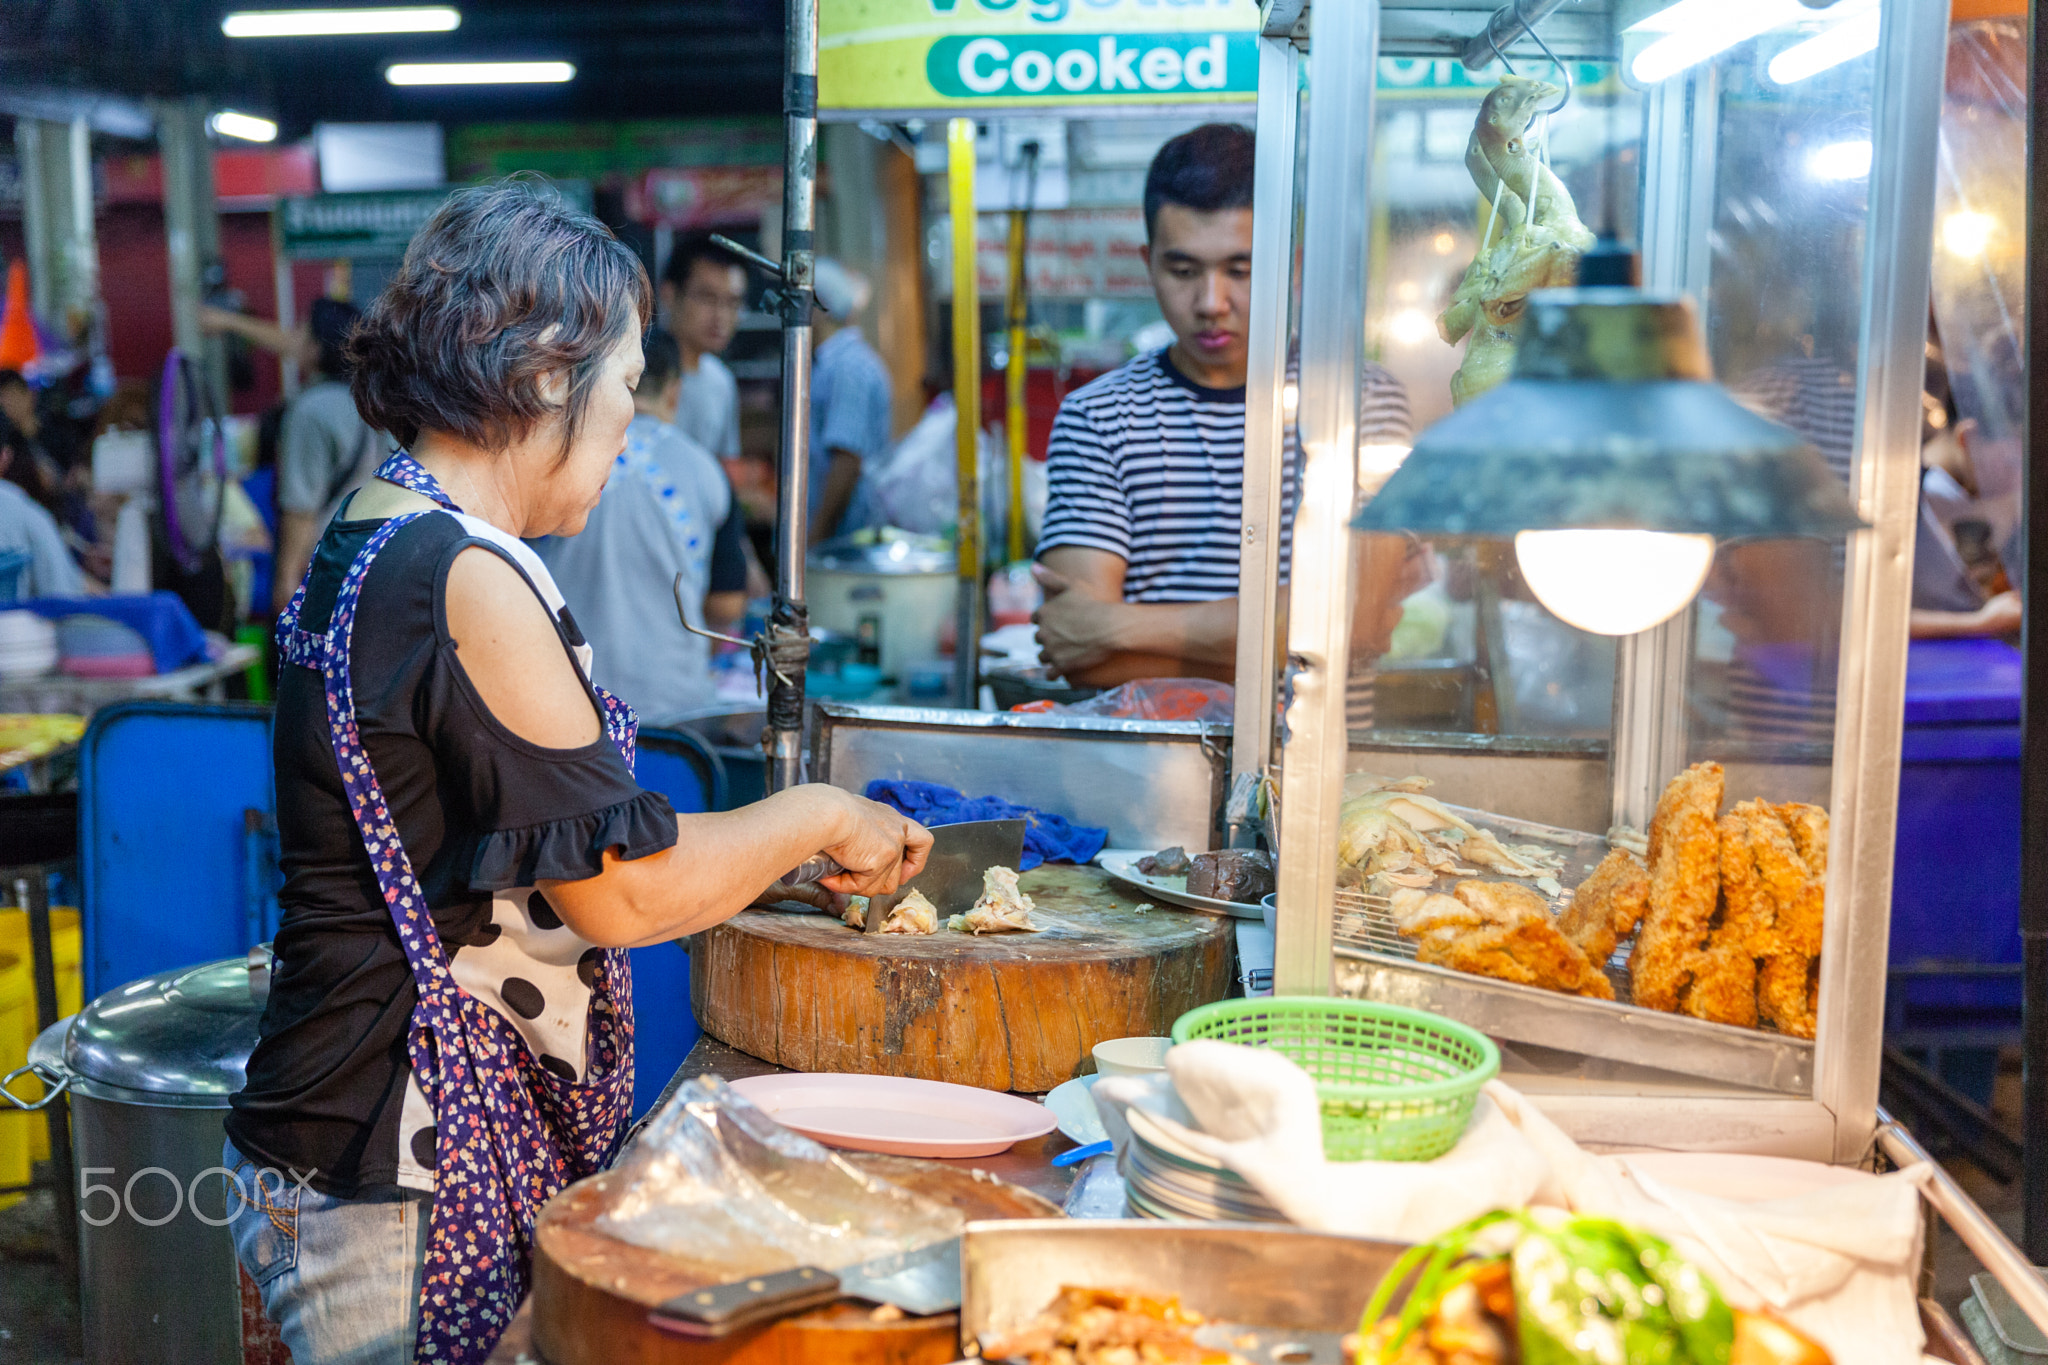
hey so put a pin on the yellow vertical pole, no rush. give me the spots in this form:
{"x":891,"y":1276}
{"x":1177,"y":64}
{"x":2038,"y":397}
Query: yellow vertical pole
{"x":1014,"y":421}
{"x":967,"y":404}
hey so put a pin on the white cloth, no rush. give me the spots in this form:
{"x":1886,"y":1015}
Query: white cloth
{"x":1838,"y":1261}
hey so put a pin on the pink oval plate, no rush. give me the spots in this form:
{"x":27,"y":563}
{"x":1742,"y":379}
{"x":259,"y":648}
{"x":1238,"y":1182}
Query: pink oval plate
{"x":896,"y":1114}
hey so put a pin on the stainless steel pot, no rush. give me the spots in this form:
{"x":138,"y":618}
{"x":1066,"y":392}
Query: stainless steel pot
{"x":148,"y":1069}
{"x":895,"y":598}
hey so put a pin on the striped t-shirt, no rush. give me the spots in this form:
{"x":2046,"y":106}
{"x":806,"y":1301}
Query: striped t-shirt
{"x":1785,"y":692}
{"x":1148,"y":465}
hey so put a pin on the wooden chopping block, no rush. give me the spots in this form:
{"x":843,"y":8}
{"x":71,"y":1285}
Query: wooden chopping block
{"x":591,"y":1292}
{"x":999,"y":1011}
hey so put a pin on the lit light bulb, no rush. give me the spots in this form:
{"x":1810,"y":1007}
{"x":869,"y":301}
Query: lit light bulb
{"x":1966,"y":233}
{"x":1613,"y":582}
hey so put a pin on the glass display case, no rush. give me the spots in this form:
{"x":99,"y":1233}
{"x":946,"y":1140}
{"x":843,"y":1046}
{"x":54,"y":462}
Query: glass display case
{"x":1633,"y":606}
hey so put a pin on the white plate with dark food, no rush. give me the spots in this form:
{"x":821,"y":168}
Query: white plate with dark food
{"x":1178,"y":878}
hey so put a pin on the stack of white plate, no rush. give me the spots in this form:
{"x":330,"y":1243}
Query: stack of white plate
{"x":28,"y":645}
{"x":1165,"y":1179}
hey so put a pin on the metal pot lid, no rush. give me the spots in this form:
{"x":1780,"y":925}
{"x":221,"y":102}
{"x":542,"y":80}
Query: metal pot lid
{"x":182,"y":1033}
{"x":847,"y":555}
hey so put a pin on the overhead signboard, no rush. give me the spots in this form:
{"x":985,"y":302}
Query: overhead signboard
{"x":372,"y":224}
{"x":951,"y":56}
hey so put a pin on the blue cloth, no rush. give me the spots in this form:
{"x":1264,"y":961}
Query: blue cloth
{"x":1048,"y":838}
{"x":850,"y":411}
{"x":174,"y":636}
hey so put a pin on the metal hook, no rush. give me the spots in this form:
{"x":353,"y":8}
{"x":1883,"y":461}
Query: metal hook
{"x":699,"y":630}
{"x":1563,"y":71}
{"x":1498,"y":55}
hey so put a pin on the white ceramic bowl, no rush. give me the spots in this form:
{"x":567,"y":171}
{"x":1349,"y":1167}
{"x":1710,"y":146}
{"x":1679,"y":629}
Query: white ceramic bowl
{"x":1131,"y":1056}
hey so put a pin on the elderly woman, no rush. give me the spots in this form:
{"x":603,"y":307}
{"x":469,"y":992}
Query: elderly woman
{"x":449,"y":1035}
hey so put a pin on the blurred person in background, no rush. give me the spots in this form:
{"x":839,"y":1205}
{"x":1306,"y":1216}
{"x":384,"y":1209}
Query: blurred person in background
{"x":29,"y":464}
{"x":703,"y":290}
{"x":324,"y":448}
{"x":27,"y":528}
{"x":851,"y":420}
{"x":667,"y":510}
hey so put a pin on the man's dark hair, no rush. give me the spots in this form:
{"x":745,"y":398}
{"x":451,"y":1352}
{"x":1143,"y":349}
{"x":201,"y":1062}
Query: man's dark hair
{"x":1205,"y":169}
{"x":12,"y":379}
{"x":330,"y":322}
{"x":690,"y":249}
{"x":504,"y":286}
{"x":664,"y":360}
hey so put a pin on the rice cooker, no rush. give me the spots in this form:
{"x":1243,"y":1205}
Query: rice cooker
{"x":893,"y":598}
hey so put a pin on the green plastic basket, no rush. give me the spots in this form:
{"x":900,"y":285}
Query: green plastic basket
{"x":1397,"y":1084}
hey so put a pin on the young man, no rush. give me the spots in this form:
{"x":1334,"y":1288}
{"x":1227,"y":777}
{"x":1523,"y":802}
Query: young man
{"x":1143,"y":521}
{"x":850,"y":417}
{"x":703,"y":289}
{"x":666,"y":510}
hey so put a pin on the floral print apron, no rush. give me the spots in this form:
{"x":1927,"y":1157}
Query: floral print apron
{"x":509,"y":1133}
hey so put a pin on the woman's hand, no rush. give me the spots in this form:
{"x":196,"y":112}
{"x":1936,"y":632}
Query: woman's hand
{"x":879,"y":847}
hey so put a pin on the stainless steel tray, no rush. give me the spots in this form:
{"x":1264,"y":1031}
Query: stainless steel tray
{"x":1279,"y":1280}
{"x":1374,"y":962}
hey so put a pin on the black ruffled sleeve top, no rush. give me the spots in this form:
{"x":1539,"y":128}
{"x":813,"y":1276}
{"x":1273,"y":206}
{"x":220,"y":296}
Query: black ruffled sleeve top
{"x":482,"y":813}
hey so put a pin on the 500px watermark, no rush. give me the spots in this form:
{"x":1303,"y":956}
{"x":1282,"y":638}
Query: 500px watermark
{"x":258,"y":1187}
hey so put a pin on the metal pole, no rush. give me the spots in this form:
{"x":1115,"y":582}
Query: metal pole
{"x":789,"y":638}
{"x":1337,"y":207}
{"x":2034,"y":735}
{"x":967,"y":405}
{"x":1258,"y":571}
{"x":1506,"y":26}
{"x":1013,"y":385}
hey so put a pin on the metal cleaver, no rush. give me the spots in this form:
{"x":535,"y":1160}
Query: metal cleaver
{"x":920,"y":1282}
{"x":951,"y":879}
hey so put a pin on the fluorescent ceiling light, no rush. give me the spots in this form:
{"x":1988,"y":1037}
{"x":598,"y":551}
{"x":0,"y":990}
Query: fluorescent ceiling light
{"x":313,"y":23}
{"x":1840,"y":160}
{"x":1846,"y":41}
{"x":1695,"y":30}
{"x":479,"y":73}
{"x":247,"y":127}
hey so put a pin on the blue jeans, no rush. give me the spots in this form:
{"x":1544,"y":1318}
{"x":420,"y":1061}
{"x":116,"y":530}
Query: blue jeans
{"x":340,"y":1277}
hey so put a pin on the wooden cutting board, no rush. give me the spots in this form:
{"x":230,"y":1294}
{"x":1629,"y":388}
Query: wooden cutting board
{"x":1000,"y":1011}
{"x":591,"y":1292}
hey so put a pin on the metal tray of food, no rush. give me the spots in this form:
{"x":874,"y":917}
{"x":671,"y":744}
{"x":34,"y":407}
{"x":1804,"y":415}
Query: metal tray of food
{"x":1285,"y":1282}
{"x":1376,"y":962}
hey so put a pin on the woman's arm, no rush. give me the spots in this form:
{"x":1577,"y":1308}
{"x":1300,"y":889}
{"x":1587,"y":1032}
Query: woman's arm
{"x":721,"y":861}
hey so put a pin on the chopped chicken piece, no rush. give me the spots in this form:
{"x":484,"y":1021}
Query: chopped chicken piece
{"x":1363,"y":784}
{"x":1608,"y":905}
{"x":1482,"y":849}
{"x":1685,"y":884}
{"x":1001,"y":908}
{"x":912,"y":915}
{"x":855,"y":915}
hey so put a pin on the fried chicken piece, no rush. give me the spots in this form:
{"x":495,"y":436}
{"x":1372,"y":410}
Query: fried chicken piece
{"x":1795,"y":893}
{"x":1520,"y":942}
{"x":1417,"y":912}
{"x":1723,"y":986}
{"x":1746,"y":908}
{"x":1685,"y":883}
{"x":1809,"y":826}
{"x":1783,"y":995}
{"x":1608,"y":905}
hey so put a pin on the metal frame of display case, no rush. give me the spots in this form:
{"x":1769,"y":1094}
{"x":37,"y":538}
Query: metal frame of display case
{"x":1833,"y":1114}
